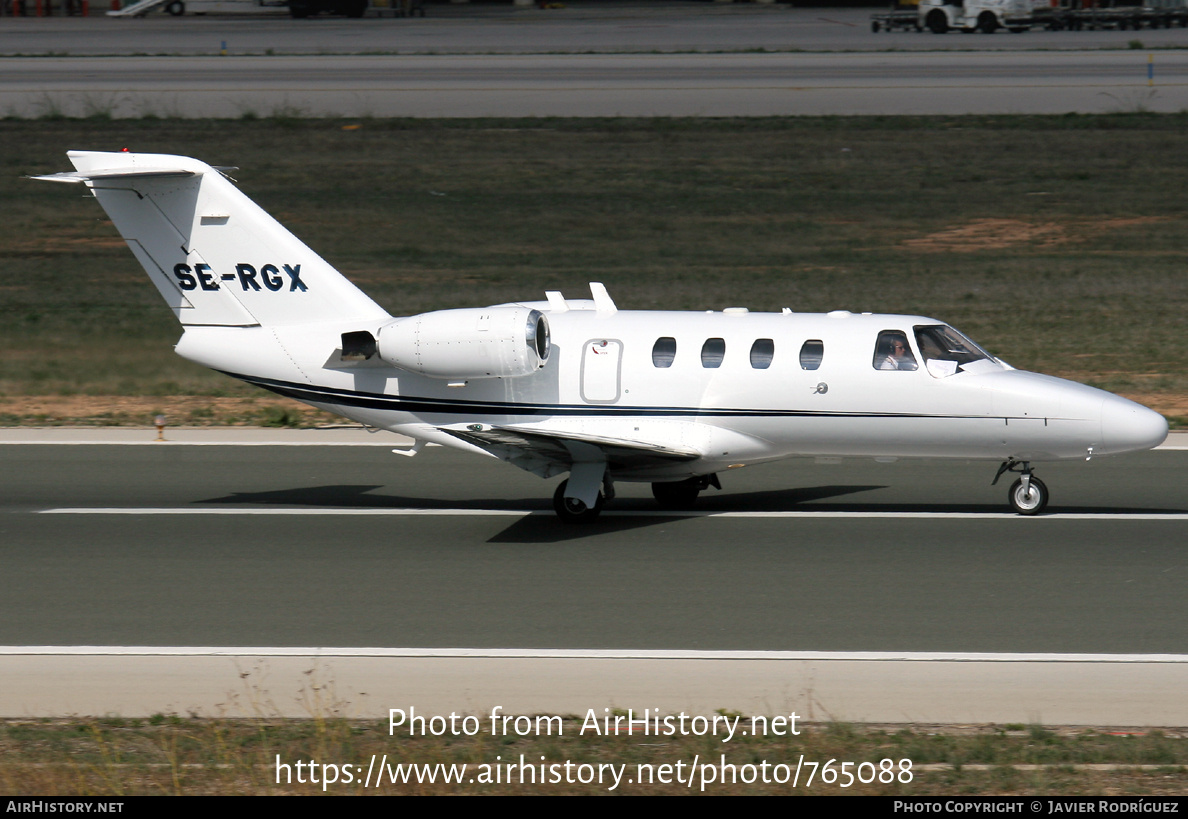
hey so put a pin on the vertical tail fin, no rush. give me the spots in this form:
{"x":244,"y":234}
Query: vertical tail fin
{"x":215,"y":256}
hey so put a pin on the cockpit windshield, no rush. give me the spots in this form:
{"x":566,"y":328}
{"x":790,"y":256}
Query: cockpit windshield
{"x":947,"y":352}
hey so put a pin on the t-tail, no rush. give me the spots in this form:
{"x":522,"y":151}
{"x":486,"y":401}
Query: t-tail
{"x":215,"y":256}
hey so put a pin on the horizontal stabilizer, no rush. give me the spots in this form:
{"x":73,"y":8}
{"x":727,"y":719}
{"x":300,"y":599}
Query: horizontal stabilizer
{"x":215,"y":256}
{"x":115,"y":173}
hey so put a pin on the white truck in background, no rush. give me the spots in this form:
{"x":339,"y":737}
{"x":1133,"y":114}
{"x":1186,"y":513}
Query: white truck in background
{"x":942,"y":16}
{"x":986,"y":16}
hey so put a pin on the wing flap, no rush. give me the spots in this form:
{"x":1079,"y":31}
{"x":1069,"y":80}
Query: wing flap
{"x":560,"y":449}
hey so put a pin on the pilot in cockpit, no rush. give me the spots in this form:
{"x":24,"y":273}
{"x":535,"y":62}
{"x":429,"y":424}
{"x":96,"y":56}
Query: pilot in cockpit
{"x":893,"y":353}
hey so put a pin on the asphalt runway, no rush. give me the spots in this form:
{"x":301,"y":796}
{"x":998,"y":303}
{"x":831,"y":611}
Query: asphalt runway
{"x":353,"y":546}
{"x":605,"y":85}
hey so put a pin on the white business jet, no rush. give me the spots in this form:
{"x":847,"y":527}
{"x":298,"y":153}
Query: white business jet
{"x":579,"y":386}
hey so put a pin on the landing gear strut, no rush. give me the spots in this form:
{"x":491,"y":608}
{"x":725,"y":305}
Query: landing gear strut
{"x":575,"y":510}
{"x":1028,"y":495}
{"x":682,"y":494}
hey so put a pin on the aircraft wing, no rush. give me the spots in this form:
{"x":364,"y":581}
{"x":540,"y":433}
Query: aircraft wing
{"x":550,"y":452}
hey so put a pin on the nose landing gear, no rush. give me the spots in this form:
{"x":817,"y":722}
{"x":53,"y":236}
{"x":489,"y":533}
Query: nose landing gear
{"x":1028,"y":495}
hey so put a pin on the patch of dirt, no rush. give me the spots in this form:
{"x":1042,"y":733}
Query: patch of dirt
{"x":995,"y":234}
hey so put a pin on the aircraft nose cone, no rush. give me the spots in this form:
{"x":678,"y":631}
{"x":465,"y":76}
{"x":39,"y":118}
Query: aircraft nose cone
{"x":1130,"y":427}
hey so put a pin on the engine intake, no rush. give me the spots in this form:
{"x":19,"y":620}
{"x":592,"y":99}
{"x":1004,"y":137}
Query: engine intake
{"x":488,"y":342}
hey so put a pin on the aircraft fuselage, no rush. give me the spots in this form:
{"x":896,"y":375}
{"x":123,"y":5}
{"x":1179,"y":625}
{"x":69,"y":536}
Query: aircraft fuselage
{"x":736,"y":387}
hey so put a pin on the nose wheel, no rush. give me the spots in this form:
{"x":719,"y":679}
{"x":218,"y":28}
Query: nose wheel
{"x":1028,"y":495}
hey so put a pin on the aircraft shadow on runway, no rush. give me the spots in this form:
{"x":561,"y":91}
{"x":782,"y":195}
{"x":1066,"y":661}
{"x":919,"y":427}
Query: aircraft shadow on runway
{"x":541,"y":526}
{"x":357,"y":496}
{"x":342,"y":496}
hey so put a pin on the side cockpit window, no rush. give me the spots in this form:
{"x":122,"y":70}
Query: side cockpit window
{"x":811,"y":354}
{"x":946,"y":351}
{"x":892,"y":352}
{"x":664,"y":352}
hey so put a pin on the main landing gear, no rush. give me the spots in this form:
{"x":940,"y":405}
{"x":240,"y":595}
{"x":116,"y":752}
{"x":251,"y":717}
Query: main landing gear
{"x":669,"y":494}
{"x":573,"y":510}
{"x":1028,"y":495}
{"x":682,"y":494}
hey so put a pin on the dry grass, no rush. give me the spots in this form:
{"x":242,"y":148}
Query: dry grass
{"x":176,"y":755}
{"x":1065,"y":259}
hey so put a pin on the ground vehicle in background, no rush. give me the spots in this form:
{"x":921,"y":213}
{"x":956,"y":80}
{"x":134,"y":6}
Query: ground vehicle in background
{"x":296,"y":8}
{"x":177,"y":8}
{"x":941,"y":16}
{"x":988,"y":16}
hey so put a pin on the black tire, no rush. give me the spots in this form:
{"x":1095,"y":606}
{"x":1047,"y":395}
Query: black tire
{"x":300,"y":9}
{"x":1028,"y":504}
{"x":677,"y":494}
{"x":937,"y":22}
{"x":571,"y":510}
{"x":874,"y":27}
{"x":353,"y":8}
{"x":177,"y":8}
{"x":987,"y":23}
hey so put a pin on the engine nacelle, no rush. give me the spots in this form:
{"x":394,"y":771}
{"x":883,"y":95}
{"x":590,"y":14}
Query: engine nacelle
{"x":487,"y":342}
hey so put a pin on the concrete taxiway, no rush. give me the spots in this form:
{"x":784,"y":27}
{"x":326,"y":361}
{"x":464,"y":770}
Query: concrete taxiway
{"x":601,"y":85}
{"x":582,"y":27}
{"x":422,"y":572}
{"x":608,"y":59}
{"x":819,"y":687}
